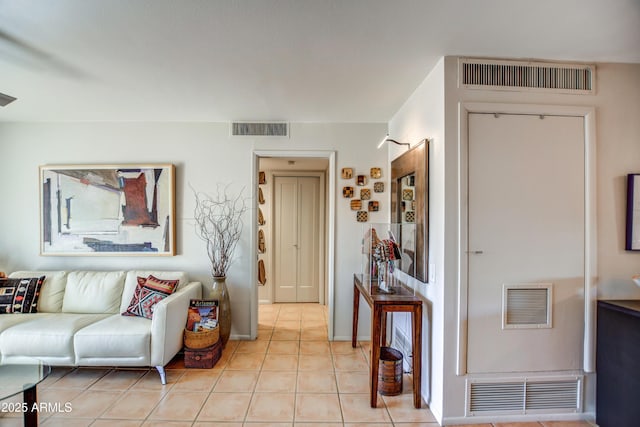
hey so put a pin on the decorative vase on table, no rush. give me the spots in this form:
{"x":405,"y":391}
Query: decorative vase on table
{"x":220,"y":292}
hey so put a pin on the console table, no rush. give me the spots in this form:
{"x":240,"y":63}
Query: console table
{"x":382,"y":303}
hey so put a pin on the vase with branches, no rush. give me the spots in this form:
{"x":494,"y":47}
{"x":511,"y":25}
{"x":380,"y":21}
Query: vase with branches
{"x":219,"y":224}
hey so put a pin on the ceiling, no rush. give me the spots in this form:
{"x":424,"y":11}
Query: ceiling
{"x":292,"y":60}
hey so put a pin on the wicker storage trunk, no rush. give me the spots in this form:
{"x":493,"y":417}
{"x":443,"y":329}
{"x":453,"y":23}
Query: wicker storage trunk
{"x":203,"y":358}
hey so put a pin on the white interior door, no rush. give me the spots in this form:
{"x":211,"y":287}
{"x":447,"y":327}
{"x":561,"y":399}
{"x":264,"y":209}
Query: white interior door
{"x":526,"y":226}
{"x":297,"y":238}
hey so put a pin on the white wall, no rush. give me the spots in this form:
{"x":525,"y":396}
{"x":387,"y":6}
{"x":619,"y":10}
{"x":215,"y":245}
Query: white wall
{"x":617,"y":103}
{"x":422,"y":116}
{"x":204,"y":155}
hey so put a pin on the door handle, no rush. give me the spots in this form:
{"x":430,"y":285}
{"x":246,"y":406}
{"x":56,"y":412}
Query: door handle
{"x":475,"y":252}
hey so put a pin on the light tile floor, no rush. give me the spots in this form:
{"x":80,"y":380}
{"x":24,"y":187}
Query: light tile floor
{"x":290,"y":376}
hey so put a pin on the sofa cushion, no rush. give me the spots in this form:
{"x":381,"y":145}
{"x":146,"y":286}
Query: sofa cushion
{"x":20,"y":295}
{"x":115,"y":337}
{"x":8,"y":321}
{"x":131,"y":282}
{"x":93,"y":292}
{"x":52,"y":290}
{"x":49,"y":337}
{"x":148,"y":293}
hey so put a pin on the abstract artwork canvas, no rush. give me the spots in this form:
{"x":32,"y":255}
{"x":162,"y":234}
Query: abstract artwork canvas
{"x":107,"y":210}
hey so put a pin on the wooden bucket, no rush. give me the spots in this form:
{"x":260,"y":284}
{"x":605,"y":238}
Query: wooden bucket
{"x":390,"y":372}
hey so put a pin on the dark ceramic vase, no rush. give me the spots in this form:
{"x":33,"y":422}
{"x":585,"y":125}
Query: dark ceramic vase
{"x":220,"y":292}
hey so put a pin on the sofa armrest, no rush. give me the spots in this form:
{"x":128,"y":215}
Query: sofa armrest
{"x":169,"y":320}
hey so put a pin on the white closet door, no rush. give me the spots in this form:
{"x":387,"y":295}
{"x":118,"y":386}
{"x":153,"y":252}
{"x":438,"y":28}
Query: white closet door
{"x":526,"y":226}
{"x":297,"y":234}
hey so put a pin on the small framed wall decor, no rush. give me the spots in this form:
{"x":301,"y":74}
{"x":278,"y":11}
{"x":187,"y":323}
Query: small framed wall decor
{"x":365,"y":194}
{"x":633,"y":213}
{"x":347,"y":173}
{"x":378,"y":187}
{"x":356,"y":205}
{"x":361,"y":180}
{"x":262,"y":178}
{"x":347,"y":192}
{"x":362,"y":216}
{"x":375,"y":173}
{"x":374,"y":206}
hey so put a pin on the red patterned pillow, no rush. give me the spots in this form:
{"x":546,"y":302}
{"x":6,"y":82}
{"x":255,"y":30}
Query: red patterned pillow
{"x":20,"y":295}
{"x":147,"y":294}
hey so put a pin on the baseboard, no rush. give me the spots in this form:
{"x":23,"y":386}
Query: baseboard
{"x":348,"y":338}
{"x":514,"y":418}
{"x":240,"y":337}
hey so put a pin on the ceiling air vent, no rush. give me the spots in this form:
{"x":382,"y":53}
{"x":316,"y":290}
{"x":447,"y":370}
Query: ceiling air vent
{"x":524,"y":395}
{"x":526,"y":305}
{"x":530,"y":76}
{"x":259,"y":129}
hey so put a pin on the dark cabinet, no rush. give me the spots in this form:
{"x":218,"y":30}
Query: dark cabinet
{"x":618,"y":363}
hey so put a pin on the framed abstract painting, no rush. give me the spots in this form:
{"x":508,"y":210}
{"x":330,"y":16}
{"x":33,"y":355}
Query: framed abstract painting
{"x":107,"y":210}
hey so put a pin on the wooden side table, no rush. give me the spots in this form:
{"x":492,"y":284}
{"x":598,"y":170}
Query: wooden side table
{"x":381,"y":304}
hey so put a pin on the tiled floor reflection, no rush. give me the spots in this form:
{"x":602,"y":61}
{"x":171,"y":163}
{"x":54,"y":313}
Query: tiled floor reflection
{"x":290,"y":376}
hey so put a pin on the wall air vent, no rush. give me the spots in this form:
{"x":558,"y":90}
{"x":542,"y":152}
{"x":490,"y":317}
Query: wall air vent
{"x":524,"y":395}
{"x":259,"y":129}
{"x":403,"y":343}
{"x":526,"y":76}
{"x":527,"y":305}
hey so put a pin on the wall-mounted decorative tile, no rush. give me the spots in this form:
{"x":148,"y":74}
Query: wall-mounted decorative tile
{"x":374,"y":206}
{"x":362,"y":216}
{"x":410,"y":216}
{"x":347,"y":192}
{"x":361,"y":180}
{"x":376,"y":173}
{"x":347,"y":173}
{"x":378,"y":187}
{"x":260,"y":196}
{"x":262,"y":177}
{"x":356,"y":205}
{"x":365,"y":194}
{"x":407,"y":194}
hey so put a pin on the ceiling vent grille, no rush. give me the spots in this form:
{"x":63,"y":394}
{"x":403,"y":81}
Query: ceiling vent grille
{"x":527,"y":305}
{"x":521,"y":76}
{"x":522,"y":396}
{"x":259,"y":129}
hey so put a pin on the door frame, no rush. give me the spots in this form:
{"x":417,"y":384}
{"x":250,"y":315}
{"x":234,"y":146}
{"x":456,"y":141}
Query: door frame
{"x":321,"y":226}
{"x":330,"y":221}
{"x":590,"y":232}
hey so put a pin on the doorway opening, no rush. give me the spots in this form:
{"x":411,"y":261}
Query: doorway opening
{"x":294,"y":231}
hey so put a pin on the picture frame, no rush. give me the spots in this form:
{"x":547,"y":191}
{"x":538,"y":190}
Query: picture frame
{"x":107,"y":210}
{"x":632,"y":240}
{"x":411,"y":170}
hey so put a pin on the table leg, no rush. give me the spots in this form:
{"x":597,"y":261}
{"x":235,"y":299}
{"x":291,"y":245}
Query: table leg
{"x":31,"y":414}
{"x":416,"y":318}
{"x":376,"y":314}
{"x":356,"y":308}
{"x":383,"y":329}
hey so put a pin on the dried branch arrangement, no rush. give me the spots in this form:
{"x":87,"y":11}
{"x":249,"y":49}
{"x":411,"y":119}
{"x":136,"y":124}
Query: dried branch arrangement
{"x":219,"y":224}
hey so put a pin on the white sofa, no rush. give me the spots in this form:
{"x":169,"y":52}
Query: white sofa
{"x":79,"y":321}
